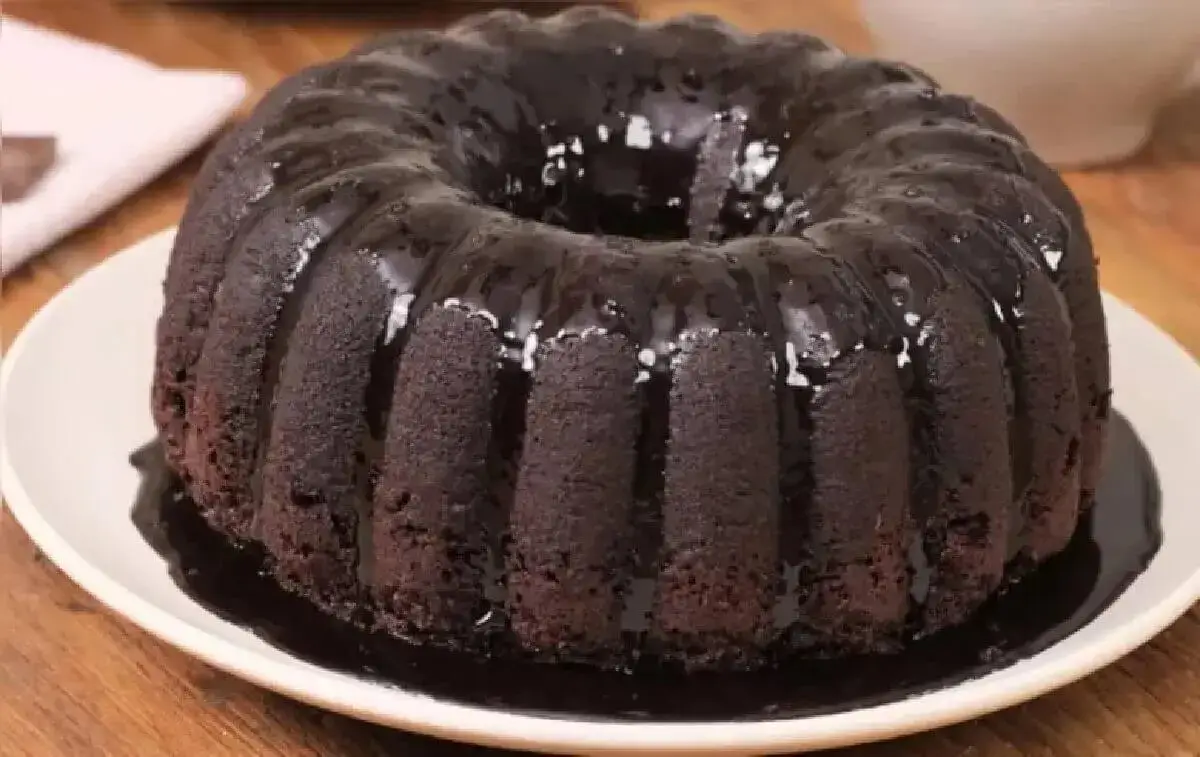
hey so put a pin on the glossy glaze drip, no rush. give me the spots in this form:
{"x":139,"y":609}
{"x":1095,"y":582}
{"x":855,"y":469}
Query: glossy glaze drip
{"x":900,"y":285}
{"x":645,"y":558}
{"x":311,"y":248}
{"x":750,"y":269}
{"x":403,"y":264}
{"x":377,"y":403}
{"x":719,"y":152}
{"x":1116,"y":541}
{"x":795,"y":489}
{"x":511,"y":396}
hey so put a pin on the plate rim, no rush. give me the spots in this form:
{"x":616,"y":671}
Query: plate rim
{"x":451,"y":720}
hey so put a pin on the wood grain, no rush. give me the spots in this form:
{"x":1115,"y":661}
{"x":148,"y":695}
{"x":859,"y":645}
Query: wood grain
{"x":77,"y":681}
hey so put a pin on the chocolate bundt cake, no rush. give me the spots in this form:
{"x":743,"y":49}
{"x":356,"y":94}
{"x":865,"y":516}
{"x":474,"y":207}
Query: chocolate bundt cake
{"x":593,"y":340}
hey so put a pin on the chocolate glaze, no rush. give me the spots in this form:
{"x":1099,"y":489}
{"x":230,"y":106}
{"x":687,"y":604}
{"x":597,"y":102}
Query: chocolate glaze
{"x":672,"y":189}
{"x":1114,"y":544}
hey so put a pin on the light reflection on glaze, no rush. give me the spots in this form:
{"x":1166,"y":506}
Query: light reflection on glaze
{"x":312,"y":231}
{"x":402,"y":295}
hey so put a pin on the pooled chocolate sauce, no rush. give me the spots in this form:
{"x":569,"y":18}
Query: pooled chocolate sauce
{"x":1114,"y":544}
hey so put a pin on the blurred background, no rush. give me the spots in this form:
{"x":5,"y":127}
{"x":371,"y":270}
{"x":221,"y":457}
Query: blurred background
{"x":1070,"y":73}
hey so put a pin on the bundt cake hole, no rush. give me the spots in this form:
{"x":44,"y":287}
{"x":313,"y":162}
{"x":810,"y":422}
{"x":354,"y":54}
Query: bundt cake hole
{"x":614,"y":183}
{"x":667,"y":158}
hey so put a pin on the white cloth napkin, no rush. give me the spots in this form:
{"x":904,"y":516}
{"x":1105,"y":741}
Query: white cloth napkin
{"x":120,"y":121}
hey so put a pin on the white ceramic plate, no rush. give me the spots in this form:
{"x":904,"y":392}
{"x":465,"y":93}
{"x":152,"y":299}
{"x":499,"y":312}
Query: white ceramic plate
{"x":74,"y":403}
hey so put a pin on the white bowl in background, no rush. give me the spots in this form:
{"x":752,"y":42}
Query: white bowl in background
{"x":1082,"y":79}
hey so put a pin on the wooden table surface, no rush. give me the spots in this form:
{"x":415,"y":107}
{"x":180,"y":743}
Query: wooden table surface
{"x":78,"y":681}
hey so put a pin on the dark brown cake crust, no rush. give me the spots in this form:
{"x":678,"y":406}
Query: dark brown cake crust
{"x":592,"y":340}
